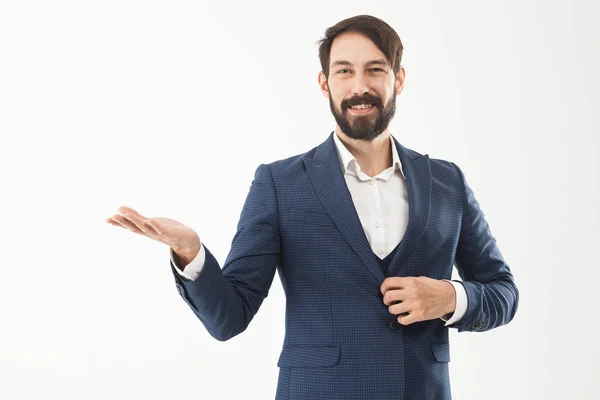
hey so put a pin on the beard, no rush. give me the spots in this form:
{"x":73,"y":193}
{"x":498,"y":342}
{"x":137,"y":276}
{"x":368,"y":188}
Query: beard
{"x":368,"y":126}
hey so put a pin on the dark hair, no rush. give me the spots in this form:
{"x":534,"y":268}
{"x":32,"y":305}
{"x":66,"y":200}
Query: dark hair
{"x":380,"y":33}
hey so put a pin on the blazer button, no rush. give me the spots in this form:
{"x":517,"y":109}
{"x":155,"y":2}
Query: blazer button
{"x":394,"y":324}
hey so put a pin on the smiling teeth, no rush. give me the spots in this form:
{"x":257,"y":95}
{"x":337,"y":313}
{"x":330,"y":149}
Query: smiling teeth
{"x":362,"y":106}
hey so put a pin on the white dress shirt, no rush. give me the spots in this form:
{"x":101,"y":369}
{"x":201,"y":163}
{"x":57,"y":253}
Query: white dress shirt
{"x":381,"y":203}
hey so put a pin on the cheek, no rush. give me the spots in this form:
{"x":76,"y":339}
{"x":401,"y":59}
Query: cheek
{"x":336,"y":95}
{"x":385,"y":92}
{"x":340,"y":88}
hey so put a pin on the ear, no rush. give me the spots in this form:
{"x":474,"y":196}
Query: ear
{"x":323,"y":84}
{"x":399,"y":84}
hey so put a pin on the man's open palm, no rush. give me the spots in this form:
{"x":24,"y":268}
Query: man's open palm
{"x":182,"y":239}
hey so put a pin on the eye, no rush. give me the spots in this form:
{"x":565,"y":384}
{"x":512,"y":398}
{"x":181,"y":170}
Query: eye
{"x":341,"y":71}
{"x":376,"y":69}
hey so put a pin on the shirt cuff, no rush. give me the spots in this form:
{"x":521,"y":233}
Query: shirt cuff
{"x":461,"y":303}
{"x":193,"y":269}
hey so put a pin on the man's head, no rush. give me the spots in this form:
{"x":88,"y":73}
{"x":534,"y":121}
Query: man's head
{"x":360,"y":60}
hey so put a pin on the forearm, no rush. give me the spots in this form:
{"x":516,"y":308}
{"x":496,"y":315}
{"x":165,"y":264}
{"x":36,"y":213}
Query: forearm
{"x":223,"y":302}
{"x":490,"y":305}
{"x":214,"y":302}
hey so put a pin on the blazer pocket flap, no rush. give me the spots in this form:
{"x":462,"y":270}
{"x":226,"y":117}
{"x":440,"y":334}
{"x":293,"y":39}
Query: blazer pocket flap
{"x":441,"y":351}
{"x":309,"y":217}
{"x":309,"y":356}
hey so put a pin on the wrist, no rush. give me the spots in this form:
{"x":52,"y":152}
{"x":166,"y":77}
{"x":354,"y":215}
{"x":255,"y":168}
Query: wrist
{"x":185,"y":256}
{"x":451,"y":300}
{"x":190,"y":249}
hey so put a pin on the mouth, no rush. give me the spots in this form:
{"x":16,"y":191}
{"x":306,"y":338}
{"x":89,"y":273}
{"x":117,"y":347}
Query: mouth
{"x":361,"y":109}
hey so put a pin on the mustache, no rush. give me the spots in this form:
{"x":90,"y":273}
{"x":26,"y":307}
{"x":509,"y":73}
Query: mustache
{"x":364,"y":99}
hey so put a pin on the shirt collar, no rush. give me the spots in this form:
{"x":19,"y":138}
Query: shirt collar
{"x":348,"y":161}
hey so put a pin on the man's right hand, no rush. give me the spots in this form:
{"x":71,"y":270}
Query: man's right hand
{"x":184,"y":241}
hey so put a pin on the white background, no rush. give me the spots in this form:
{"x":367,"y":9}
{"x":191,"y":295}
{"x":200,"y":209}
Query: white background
{"x":169,"y":106}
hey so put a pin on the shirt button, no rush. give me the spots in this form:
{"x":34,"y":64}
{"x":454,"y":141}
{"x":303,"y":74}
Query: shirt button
{"x":372,"y":182}
{"x":376,"y":224}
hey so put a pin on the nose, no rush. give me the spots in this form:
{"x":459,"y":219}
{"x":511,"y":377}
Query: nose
{"x":360,"y":85}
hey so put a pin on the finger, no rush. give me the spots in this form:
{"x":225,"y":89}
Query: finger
{"x":125,"y":223}
{"x":156,"y":226}
{"x":399,"y":308}
{"x":112,"y":222}
{"x":393,"y":296}
{"x":142,"y":224}
{"x":127,"y":210}
{"x":407,"y":319}
{"x":394,"y":282}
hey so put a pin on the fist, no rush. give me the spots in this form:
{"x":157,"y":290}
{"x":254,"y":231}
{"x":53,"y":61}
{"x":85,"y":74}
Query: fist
{"x":415,"y":299}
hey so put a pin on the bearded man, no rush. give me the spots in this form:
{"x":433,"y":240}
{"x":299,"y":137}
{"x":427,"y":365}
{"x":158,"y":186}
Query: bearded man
{"x":364,"y":234}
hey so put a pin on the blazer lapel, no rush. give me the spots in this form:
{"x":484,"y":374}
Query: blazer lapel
{"x":325,"y":173}
{"x":417,"y":170}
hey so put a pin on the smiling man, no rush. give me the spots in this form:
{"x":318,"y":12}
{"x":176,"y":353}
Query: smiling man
{"x":364,"y":233}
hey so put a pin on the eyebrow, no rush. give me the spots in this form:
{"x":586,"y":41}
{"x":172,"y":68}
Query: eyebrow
{"x":372,"y":62}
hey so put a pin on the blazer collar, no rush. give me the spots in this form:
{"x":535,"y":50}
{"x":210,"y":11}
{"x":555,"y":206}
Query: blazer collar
{"x":347,"y":160}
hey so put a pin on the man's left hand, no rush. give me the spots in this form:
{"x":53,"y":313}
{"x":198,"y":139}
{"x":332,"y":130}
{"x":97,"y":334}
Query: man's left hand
{"x":418,"y":298}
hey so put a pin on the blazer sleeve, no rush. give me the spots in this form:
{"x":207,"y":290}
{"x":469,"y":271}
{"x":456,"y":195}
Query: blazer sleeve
{"x":225,"y":300}
{"x":492,"y":294}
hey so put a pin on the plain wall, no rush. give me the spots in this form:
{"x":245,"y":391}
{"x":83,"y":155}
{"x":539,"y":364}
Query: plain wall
{"x":169,"y":106}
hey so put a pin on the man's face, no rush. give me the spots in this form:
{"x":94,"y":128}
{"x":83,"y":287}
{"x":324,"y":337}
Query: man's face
{"x":361,"y":87}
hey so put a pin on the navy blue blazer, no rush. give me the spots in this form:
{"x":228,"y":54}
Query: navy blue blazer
{"x":340,"y":340}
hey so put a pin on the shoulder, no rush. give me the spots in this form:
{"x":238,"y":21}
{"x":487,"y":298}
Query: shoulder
{"x":289,"y":166}
{"x":440,"y":168}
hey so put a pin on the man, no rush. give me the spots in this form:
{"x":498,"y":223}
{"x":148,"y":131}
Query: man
{"x":364,"y":233}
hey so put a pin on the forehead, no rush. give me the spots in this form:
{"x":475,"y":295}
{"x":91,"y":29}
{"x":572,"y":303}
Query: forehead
{"x":355,"y":48}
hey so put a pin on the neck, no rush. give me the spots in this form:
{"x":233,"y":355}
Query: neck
{"x":373,"y":156}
